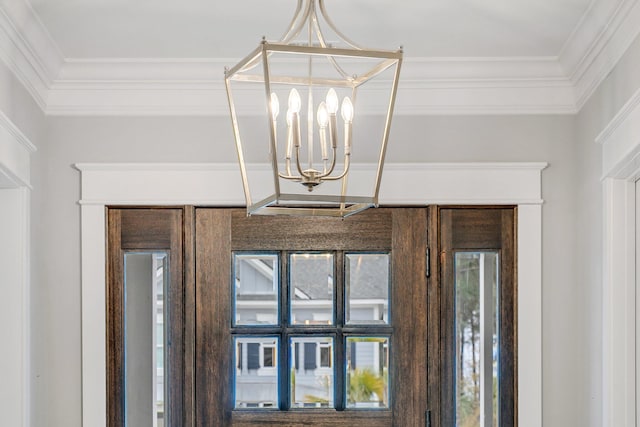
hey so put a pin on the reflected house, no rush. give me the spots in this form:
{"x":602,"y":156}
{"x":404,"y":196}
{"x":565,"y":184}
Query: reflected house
{"x":311,"y":301}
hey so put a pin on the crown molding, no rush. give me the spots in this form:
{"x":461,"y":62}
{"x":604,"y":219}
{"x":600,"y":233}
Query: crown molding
{"x":525,"y":85}
{"x":27,"y":48}
{"x":196,"y":87}
{"x":597,"y":44}
{"x":15,"y":155}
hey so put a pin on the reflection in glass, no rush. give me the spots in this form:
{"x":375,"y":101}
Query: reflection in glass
{"x":311,"y":289}
{"x":477,"y":337}
{"x":145,"y":284}
{"x":367,"y":288}
{"x":311,"y":372}
{"x":256,"y":289}
{"x":256,"y":372}
{"x":367,"y":372}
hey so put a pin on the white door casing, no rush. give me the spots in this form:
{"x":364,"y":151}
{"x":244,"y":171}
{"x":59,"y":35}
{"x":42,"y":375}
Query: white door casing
{"x":15,"y":192}
{"x":219,"y":185}
{"x":620,"y":142}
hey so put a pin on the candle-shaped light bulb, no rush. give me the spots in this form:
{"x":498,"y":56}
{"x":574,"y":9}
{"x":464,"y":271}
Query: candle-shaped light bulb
{"x":275,"y":106}
{"x":323,"y":121}
{"x":332,"y":101}
{"x":323,"y":115}
{"x":347,"y":110}
{"x":294,"y":101}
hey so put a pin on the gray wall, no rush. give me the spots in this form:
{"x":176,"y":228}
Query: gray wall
{"x":603,"y":105}
{"x":567,"y":339}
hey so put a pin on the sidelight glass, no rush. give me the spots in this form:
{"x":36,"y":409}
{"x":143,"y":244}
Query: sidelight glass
{"x":311,"y":288}
{"x":367,"y":288}
{"x":367,"y":365}
{"x":311,"y":367}
{"x":477,"y":338}
{"x":145,"y":285}
{"x":255,"y":289}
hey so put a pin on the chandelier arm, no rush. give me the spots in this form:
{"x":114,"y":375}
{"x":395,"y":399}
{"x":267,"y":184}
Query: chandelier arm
{"x":297,"y":24}
{"x":347,"y":163}
{"x":304,"y":175}
{"x":323,"y":43}
{"x":296,"y":16}
{"x":291,"y":177}
{"x":344,"y":38}
{"x":333,"y":164}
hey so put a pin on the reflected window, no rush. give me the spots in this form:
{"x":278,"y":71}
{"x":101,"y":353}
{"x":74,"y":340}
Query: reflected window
{"x":145,"y":284}
{"x":311,"y":289}
{"x":256,"y":376}
{"x":367,"y":372}
{"x":477,"y":338}
{"x":367,"y":288}
{"x":255,"y":289}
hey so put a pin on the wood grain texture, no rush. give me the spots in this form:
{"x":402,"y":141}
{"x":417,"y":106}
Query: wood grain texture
{"x":189,"y":316}
{"x":213,"y":317}
{"x":369,"y":230}
{"x":434,"y":356}
{"x":145,"y":229}
{"x":320,"y":417}
{"x":220,"y":231}
{"x":409,"y":316}
{"x":114,"y":321}
{"x":479,"y":228}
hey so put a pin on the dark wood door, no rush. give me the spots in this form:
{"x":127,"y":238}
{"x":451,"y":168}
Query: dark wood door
{"x":401,"y":233}
{"x":209,"y":346}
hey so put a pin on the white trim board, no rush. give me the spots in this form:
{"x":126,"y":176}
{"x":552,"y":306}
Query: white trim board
{"x":219,"y":185}
{"x":15,"y":215}
{"x":620,"y":142}
{"x":168,"y":86}
{"x":15,"y":155}
{"x":428,"y":86}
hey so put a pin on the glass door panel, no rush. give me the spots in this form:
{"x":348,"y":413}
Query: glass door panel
{"x":477,"y":337}
{"x":145,"y":282}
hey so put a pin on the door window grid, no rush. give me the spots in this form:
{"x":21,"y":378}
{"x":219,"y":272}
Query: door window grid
{"x":313,"y":344}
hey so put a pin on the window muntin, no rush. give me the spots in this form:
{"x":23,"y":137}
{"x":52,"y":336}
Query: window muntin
{"x":311,"y":333}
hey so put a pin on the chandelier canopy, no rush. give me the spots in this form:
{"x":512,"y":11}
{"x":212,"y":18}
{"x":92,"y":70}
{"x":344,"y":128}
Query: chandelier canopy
{"x":332,"y":138}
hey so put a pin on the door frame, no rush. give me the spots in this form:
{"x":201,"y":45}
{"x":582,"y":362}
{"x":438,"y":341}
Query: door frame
{"x":15,"y":271}
{"x":620,"y":141}
{"x":104,"y":184}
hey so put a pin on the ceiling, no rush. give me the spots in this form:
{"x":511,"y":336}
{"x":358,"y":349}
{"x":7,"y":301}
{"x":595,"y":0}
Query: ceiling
{"x":214,"y":29}
{"x":166,"y":57}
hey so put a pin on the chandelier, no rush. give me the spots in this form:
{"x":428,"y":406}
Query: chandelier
{"x":325,"y":153}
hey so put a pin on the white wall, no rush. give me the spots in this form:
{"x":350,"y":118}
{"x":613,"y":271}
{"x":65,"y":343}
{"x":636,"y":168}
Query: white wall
{"x":14,"y":325}
{"x":20,"y":128}
{"x":427,"y":139}
{"x":18,"y":105}
{"x":601,"y":108}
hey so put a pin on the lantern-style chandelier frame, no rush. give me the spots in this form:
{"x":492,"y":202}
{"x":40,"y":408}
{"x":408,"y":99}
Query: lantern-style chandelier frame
{"x":321,"y":66}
